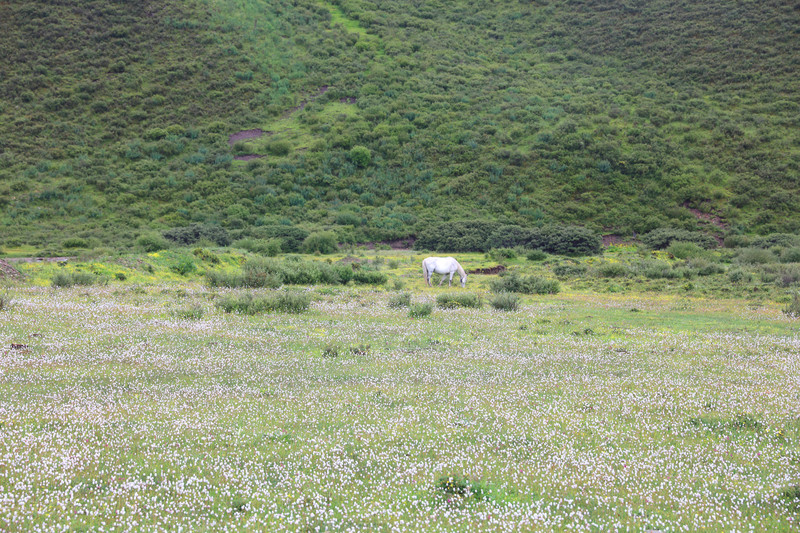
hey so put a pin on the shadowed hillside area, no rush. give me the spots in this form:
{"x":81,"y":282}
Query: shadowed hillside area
{"x":374,"y":120}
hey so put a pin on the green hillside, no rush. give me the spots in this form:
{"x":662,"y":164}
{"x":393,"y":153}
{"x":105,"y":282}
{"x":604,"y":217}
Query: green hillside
{"x":376,"y":119}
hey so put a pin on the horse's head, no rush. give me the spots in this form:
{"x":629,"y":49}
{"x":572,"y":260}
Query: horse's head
{"x":463,"y":281}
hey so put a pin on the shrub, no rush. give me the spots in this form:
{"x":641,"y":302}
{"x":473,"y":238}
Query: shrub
{"x":267,"y":247}
{"x":184,"y":266}
{"x":510,"y":236}
{"x":755,"y":256}
{"x":781,"y":240}
{"x":420,"y":310}
{"x":324,"y":242}
{"x":500,"y":254}
{"x":151,"y":242}
{"x":246,"y":303}
{"x":279,"y":148}
{"x":451,"y":300}
{"x":68,"y":279}
{"x":460,"y":236}
{"x":75,"y":242}
{"x":193,"y":312}
{"x":400,"y":300}
{"x":536,"y":255}
{"x":505,"y":301}
{"x":457,"y":485}
{"x":684,"y":250}
{"x":791,"y":255}
{"x":704,"y":267}
{"x":567,"y":240}
{"x":369,"y":277}
{"x":188,"y":235}
{"x":661,"y":238}
{"x":360,"y":156}
{"x":513,"y":282}
{"x":567,"y":270}
{"x":291,"y":237}
{"x":612,"y":270}
{"x":736,"y":241}
{"x":656,"y":269}
{"x":6,"y":301}
{"x":739,"y":276}
{"x":205,"y":255}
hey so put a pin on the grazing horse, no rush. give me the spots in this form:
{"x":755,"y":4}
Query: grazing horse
{"x":445,"y":266}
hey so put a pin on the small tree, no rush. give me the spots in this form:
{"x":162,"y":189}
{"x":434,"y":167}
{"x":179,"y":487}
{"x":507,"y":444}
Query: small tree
{"x":360,"y":155}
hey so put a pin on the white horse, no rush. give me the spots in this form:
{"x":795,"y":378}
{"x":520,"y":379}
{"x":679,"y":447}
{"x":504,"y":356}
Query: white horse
{"x":443,"y":265}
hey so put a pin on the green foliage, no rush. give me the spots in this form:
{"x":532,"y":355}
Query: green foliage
{"x":184,"y":266}
{"x":193,"y":312}
{"x":248,"y":304}
{"x":75,"y":242}
{"x":69,"y":279}
{"x":661,"y":238}
{"x":323,"y":242}
{"x":536,"y":255}
{"x":461,"y":236}
{"x":513,"y":282}
{"x":457,"y":485}
{"x":360,"y":156}
{"x":685,"y":250}
{"x":522,"y":135}
{"x":188,"y":235}
{"x":400,"y":300}
{"x":369,"y":277}
{"x":151,"y":242}
{"x":792,"y":309}
{"x":420,"y":310}
{"x":452,"y":300}
{"x":505,"y":301}
{"x":267,"y":247}
{"x":6,"y":301}
{"x":260,"y":272}
{"x":755,"y":256}
{"x":612,"y":270}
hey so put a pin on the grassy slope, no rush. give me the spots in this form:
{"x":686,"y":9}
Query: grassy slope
{"x":115,"y":118}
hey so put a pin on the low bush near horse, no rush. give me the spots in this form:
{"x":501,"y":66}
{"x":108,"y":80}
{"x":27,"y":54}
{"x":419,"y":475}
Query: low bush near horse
{"x":247,"y":304}
{"x":452,"y":300}
{"x":505,"y":301}
{"x":513,"y":282}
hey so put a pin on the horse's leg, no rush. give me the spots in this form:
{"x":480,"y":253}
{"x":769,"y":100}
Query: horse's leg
{"x":450,"y":283}
{"x":442,"y":280}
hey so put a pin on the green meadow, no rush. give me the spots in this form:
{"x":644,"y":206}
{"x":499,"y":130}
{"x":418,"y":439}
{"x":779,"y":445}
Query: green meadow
{"x":143,"y":404}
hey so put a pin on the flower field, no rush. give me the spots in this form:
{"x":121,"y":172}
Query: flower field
{"x":119,"y":410}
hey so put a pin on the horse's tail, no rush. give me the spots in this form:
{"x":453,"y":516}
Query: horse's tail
{"x":425,"y":269}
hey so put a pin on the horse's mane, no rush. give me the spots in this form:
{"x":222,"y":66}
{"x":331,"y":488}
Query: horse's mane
{"x":461,"y":271}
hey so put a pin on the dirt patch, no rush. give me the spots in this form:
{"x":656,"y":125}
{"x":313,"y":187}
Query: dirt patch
{"x":491,"y":271}
{"x":8,"y":271}
{"x":710,"y":218}
{"x":348,"y":100}
{"x":245,"y":134}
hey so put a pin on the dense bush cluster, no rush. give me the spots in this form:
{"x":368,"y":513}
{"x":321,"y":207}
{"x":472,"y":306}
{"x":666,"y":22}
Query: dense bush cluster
{"x":513,"y":282}
{"x":479,"y":236}
{"x":116,"y":141}
{"x":661,"y":238}
{"x":271,"y":273}
{"x":452,"y":300}
{"x":248,"y":304}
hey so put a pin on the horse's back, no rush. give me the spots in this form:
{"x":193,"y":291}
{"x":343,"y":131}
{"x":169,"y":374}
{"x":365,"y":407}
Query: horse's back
{"x":440,"y":264}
